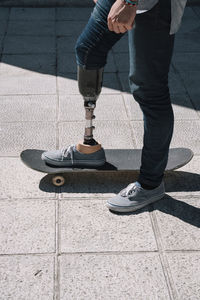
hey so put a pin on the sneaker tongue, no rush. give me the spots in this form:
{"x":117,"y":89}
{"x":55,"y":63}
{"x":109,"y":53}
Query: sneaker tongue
{"x":138,"y":184}
{"x":125,"y":192}
{"x":74,"y":148}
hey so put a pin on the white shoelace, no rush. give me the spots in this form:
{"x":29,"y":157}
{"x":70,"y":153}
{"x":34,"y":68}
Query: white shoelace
{"x":130,"y":190}
{"x":65,"y":151}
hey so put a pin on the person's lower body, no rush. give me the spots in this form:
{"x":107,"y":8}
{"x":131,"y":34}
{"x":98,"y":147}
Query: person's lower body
{"x":151,"y":49}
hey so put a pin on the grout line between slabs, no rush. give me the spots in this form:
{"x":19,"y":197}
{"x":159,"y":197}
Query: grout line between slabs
{"x":122,"y":252}
{"x":58,"y":99}
{"x":130,"y":126}
{"x":56,"y":273}
{"x":30,"y":254}
{"x":163,"y":258}
{"x":185,"y":86}
{"x":4,"y":35}
{"x":108,"y":252}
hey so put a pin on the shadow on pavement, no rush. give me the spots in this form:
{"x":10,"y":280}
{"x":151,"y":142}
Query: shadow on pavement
{"x":46,"y":45}
{"x":112,"y":182}
{"x":103,"y":183}
{"x":176,"y":208}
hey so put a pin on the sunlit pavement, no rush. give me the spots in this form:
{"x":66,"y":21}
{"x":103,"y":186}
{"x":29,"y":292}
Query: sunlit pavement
{"x":63,"y":243}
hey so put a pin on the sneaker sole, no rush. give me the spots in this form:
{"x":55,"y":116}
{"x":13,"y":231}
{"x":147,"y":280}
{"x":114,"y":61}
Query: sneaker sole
{"x":132,"y":208}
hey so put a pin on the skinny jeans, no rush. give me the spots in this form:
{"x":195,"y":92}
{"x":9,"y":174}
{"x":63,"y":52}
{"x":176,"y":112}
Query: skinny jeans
{"x":150,"y":52}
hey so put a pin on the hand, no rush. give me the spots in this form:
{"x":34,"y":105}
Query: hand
{"x":95,"y":1}
{"x":121,"y":17}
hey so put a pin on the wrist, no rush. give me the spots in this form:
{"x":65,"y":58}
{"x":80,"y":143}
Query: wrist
{"x":130,"y":2}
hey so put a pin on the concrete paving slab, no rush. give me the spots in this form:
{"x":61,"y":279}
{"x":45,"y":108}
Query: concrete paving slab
{"x":32,"y":13}
{"x":195,"y":100}
{"x":27,"y":226}
{"x":19,"y":182}
{"x":66,"y":63}
{"x":193,"y":166}
{"x":133,"y":109}
{"x":122,"y":61}
{"x":15,"y":80}
{"x":185,"y":274}
{"x":31,"y":28}
{"x":189,"y":12}
{"x":196,"y":9}
{"x":185,"y":62}
{"x":25,"y":82}
{"x":16,"y":137}
{"x":28,"y":108}
{"x":88,"y":226}
{"x":27,"y":277}
{"x":122,"y":45}
{"x":73,"y":13}
{"x":3,"y":26}
{"x":186,"y":134}
{"x":111,"y":107}
{"x":187,"y":42}
{"x":178,"y":222}
{"x":185,"y":182}
{"x":176,"y":85}
{"x":136,"y":276}
{"x":111,"y":134}
{"x":182,"y":106}
{"x":175,"y":82}
{"x":1,"y":43}
{"x":4,"y":13}
{"x":66,"y":44}
{"x":40,"y":63}
{"x":68,"y":84}
{"x":182,"y":184}
{"x":190,"y":21}
{"x":123,"y":77}
{"x":111,"y":84}
{"x":70,"y":28}
{"x":191,"y":81}
{"x":29,"y":44}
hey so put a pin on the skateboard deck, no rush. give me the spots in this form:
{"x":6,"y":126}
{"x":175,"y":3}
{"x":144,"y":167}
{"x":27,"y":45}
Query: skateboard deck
{"x":116,"y":160}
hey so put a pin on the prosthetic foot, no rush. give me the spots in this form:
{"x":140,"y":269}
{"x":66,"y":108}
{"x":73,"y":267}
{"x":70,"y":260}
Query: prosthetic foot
{"x":88,"y":153}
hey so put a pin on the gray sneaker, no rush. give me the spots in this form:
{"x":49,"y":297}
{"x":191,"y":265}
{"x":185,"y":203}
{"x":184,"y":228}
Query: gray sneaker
{"x":134,"y":197}
{"x":70,"y":156}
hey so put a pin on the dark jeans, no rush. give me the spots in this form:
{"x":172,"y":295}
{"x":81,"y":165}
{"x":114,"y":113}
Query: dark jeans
{"x":150,"y":48}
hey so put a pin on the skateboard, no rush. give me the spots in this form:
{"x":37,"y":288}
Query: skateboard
{"x":116,"y":160}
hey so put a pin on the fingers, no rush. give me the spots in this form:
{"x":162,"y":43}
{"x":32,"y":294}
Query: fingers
{"x":110,"y":24}
{"x":113,"y":25}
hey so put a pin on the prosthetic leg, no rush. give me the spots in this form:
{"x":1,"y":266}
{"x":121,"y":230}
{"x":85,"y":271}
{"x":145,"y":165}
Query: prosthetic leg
{"x":90,"y":84}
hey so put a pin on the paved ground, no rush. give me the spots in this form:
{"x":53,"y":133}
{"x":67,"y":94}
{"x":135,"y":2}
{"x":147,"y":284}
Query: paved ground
{"x":64,"y":243}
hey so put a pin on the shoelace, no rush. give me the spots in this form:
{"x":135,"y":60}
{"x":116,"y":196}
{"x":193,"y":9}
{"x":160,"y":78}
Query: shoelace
{"x":66,"y":151}
{"x":130,"y":189}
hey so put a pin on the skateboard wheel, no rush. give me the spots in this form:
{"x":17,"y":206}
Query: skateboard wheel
{"x":58,"y":180}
